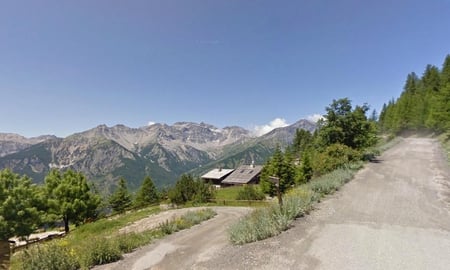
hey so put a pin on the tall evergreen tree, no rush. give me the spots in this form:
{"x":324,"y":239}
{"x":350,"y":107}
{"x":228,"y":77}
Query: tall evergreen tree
{"x":147,"y":194}
{"x":280,"y":165}
{"x":432,"y":84}
{"x":120,"y":200}
{"x":424,"y":103}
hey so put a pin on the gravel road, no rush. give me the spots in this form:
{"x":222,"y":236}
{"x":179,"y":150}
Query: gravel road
{"x":183,"y":249}
{"x":395,"y":214}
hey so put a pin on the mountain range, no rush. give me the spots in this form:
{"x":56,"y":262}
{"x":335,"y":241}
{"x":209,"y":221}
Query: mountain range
{"x":162,"y":151}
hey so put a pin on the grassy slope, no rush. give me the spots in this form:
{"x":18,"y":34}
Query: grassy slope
{"x":100,"y":242}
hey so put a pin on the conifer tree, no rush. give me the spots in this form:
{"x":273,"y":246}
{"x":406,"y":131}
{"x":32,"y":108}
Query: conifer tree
{"x":19,"y":211}
{"x":120,"y":200}
{"x":147,"y":194}
{"x":70,"y":197}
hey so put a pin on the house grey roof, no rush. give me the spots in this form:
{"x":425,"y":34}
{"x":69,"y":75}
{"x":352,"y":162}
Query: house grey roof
{"x":243,"y":175}
{"x":217,"y":174}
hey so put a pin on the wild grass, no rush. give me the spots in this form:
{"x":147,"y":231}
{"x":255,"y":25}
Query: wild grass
{"x":108,"y":226}
{"x":269,"y":221}
{"x":188,"y":220}
{"x":104,"y":245}
{"x":228,"y":193}
{"x":52,"y":256}
{"x":445,"y":141}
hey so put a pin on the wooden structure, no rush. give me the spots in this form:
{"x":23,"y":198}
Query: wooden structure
{"x":216,"y":176}
{"x":244,"y":175}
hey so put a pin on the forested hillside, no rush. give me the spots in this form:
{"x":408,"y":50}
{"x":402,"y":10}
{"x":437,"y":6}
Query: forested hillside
{"x":423,"y":105}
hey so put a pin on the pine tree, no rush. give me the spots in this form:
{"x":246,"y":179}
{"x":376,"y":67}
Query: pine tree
{"x":147,"y":194}
{"x":120,"y":200}
{"x":432,"y":84}
{"x":19,"y":214}
{"x":70,"y":197}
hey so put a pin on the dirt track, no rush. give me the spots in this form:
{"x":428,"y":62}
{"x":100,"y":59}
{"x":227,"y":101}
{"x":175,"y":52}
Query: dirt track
{"x":394,"y":215}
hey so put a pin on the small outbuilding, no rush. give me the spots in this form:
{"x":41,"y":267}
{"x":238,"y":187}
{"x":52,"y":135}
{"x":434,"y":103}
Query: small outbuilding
{"x":216,"y":176}
{"x":245,"y":174}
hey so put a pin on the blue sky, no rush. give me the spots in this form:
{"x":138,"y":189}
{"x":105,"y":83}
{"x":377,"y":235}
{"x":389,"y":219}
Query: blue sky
{"x":67,"y":66}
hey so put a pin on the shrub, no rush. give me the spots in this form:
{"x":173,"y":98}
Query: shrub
{"x":334,"y":157}
{"x":168,"y":227}
{"x":196,"y":217}
{"x":189,"y":189}
{"x":266,"y":222}
{"x":100,"y":251}
{"x":189,"y":219}
{"x":250,"y":193}
{"x":52,"y":256}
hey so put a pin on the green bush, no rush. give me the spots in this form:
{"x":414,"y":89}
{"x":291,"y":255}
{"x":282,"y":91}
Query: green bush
{"x":52,"y":256}
{"x":250,"y":193}
{"x":188,"y":189}
{"x":189,"y":219}
{"x":333,"y":157}
{"x":196,"y":217}
{"x":100,"y":251}
{"x":168,"y":227}
{"x":130,"y":241}
{"x":266,"y":222}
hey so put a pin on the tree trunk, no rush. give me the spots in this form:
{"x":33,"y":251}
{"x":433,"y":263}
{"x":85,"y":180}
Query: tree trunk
{"x":66,"y":225}
{"x":5,"y":253}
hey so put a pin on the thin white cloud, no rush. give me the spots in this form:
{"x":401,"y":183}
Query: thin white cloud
{"x":151,"y":123}
{"x":314,"y":117}
{"x":264,"y":129}
{"x":209,"y":42}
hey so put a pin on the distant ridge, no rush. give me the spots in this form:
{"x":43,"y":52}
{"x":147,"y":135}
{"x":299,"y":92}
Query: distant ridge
{"x":162,"y":151}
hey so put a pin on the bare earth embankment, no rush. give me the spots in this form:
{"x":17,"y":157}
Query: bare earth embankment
{"x":395,"y":214}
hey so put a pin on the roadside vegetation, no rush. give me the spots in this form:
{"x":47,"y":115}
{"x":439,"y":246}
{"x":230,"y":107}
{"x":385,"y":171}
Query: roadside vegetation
{"x":319,"y":164}
{"x":445,"y":141}
{"x":269,"y":221}
{"x":100,"y":242}
{"x":314,"y":166}
{"x":423,"y":106}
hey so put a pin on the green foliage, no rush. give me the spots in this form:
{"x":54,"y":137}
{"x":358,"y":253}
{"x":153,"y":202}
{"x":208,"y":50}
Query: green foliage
{"x":333,"y":157}
{"x":347,"y":126}
{"x":188,"y":189}
{"x":228,"y":193}
{"x":99,"y":244}
{"x":20,"y":213}
{"x":249,"y":192}
{"x":120,"y":200}
{"x":424,"y":103}
{"x":279,"y":165}
{"x":52,"y":256}
{"x":266,"y":222}
{"x":342,"y":135}
{"x":188,"y":220}
{"x":147,"y":194}
{"x":302,"y":142}
{"x":99,"y":251}
{"x":304,"y":172}
{"x":269,"y":221}
{"x":70,"y":197}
